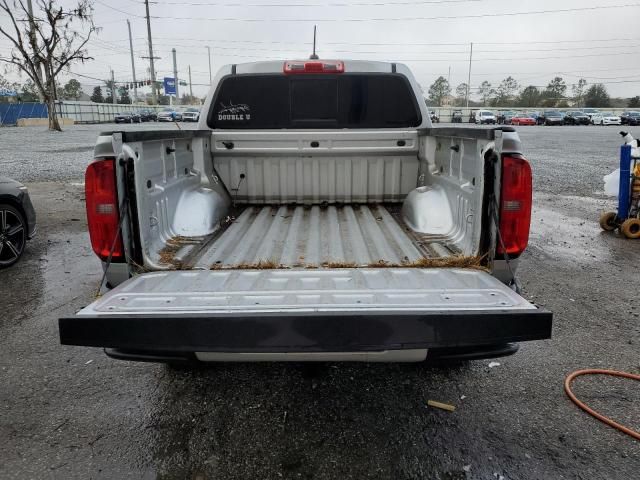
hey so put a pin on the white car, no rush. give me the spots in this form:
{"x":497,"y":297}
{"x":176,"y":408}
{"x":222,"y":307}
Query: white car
{"x":485,"y":116}
{"x":590,"y":112}
{"x":191,"y":115}
{"x":606,"y":118}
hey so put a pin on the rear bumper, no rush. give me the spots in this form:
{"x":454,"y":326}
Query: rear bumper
{"x":322,"y":332}
{"x":436,"y":355}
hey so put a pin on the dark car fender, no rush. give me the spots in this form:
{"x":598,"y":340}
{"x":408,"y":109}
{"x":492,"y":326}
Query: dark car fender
{"x":12,"y":193}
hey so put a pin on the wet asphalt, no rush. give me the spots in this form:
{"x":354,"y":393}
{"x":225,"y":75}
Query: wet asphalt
{"x":71,"y":412}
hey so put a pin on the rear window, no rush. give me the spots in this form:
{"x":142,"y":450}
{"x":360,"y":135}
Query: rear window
{"x":314,"y":101}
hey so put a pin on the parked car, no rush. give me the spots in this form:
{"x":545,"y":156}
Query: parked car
{"x":434,"y":116}
{"x":312,"y":267}
{"x":523,"y":119}
{"x":606,"y":118}
{"x":456,"y":116}
{"x":191,"y":115}
{"x":630,"y":118}
{"x":485,"y":117}
{"x":169,"y":115}
{"x":535,"y":116}
{"x":590,"y":112}
{"x":127,"y":117}
{"x":504,"y":117}
{"x":147,"y":115}
{"x":17,"y":221}
{"x":551,"y":117}
{"x":472,"y":116}
{"x":575,"y":117}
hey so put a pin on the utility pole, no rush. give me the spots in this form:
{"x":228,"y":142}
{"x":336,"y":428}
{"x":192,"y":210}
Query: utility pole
{"x":114,"y":95}
{"x":190,"y":86}
{"x":314,"y":55}
{"x":469,"y":78}
{"x":210,"y":78}
{"x":175,"y":75}
{"x":133,"y":66}
{"x":154,"y":92}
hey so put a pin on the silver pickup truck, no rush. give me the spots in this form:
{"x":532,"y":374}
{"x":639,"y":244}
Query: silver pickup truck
{"x":315,"y":214}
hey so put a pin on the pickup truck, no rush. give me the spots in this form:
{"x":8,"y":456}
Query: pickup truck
{"x":315,"y":214}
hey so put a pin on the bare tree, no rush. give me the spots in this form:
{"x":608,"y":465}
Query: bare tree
{"x":46,"y":41}
{"x":578,"y":92}
{"x":485,"y":91}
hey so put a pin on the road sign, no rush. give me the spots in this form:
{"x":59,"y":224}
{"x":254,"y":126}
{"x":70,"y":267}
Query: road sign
{"x":169,"y":86}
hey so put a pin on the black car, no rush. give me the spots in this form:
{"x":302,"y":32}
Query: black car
{"x":147,"y":115}
{"x":127,"y":117}
{"x":630,"y":118}
{"x":551,"y":117}
{"x":456,"y":116}
{"x":17,"y":221}
{"x":575,"y":117}
{"x":504,"y":117}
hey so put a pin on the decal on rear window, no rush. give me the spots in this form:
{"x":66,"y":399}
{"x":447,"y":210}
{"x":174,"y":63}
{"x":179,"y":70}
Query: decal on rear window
{"x":234,"y":112}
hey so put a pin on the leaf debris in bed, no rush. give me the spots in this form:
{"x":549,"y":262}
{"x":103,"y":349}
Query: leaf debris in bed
{"x":472,"y":262}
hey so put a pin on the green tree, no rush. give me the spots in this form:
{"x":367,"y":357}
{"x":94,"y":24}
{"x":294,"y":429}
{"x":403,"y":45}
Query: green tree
{"x":124,"y":95}
{"x":597,"y":96}
{"x":555,"y":91}
{"x":439,"y":90}
{"x":96,"y":96}
{"x":29,"y":92}
{"x":505,"y":92}
{"x":529,"y":97}
{"x":634,"y":102}
{"x":72,"y":90}
{"x":461,"y":94}
{"x":111,"y":91}
{"x":578,"y":92}
{"x":485,"y":91}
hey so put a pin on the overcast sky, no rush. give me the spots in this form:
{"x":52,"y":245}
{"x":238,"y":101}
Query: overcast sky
{"x":431,"y":36}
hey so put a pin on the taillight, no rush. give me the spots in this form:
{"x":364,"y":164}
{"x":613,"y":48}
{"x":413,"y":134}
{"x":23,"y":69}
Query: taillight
{"x":515,"y":205}
{"x":313,"y":66}
{"x":102,"y":209}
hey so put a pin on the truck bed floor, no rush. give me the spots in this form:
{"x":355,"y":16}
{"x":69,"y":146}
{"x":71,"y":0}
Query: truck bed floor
{"x":316,"y":236}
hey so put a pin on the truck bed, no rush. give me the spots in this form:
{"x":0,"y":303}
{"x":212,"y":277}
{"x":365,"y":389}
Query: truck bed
{"x":309,"y":237}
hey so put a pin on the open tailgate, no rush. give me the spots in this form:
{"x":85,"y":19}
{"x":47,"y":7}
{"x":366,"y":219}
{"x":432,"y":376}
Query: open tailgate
{"x":318,"y":310}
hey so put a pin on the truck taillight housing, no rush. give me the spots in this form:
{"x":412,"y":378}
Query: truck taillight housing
{"x":292,"y":67}
{"x":515,"y":205}
{"x":103,"y":217}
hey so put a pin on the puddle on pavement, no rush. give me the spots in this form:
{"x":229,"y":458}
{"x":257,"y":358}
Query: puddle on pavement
{"x":558,"y":233}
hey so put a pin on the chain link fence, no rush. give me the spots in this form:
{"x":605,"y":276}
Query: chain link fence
{"x":78,"y":111}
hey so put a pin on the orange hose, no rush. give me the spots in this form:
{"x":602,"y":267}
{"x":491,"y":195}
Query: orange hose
{"x":590,"y":411}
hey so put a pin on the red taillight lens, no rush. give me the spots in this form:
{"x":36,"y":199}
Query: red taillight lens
{"x":102,"y":208}
{"x":313,"y":66}
{"x":515,"y":205}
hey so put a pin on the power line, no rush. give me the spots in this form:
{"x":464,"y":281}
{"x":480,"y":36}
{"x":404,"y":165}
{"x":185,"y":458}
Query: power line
{"x":403,"y":19}
{"x":118,"y":10}
{"x":329,"y":4}
{"x":268,"y":42}
{"x":465,"y":52}
{"x":272,"y":58}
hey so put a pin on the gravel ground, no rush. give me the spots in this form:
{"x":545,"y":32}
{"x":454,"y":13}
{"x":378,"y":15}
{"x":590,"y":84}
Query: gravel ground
{"x":70,"y":412}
